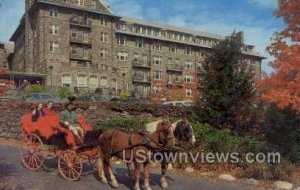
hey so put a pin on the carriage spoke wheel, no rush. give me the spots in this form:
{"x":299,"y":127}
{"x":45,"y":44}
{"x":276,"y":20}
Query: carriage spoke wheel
{"x":69,"y":165}
{"x":31,"y":152}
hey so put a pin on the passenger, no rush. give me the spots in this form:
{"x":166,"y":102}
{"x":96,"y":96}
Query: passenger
{"x":48,"y":110}
{"x":68,"y":118}
{"x":37,"y":112}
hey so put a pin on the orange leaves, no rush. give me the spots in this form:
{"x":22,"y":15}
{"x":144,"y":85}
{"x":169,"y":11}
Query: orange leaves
{"x":283,"y":87}
{"x":176,"y":93}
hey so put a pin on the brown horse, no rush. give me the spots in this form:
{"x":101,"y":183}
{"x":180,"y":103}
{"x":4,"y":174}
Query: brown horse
{"x":133,"y":148}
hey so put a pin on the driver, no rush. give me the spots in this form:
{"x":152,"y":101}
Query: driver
{"x":68,"y":118}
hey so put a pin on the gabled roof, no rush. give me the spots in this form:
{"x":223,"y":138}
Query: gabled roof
{"x":102,"y":6}
{"x":171,"y":28}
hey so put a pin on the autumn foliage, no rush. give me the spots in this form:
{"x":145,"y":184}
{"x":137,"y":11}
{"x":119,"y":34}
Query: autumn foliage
{"x":283,"y":86}
{"x":4,"y":84}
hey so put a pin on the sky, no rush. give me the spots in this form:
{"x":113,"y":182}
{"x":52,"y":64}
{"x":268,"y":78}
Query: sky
{"x":254,"y":17}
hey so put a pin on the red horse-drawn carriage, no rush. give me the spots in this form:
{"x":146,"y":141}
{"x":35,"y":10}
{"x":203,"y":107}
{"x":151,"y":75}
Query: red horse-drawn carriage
{"x":46,"y":138}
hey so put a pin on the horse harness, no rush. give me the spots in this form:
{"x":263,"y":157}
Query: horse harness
{"x":148,"y":142}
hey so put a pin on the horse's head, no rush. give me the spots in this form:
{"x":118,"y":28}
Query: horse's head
{"x":184,"y":132}
{"x":165,"y":134}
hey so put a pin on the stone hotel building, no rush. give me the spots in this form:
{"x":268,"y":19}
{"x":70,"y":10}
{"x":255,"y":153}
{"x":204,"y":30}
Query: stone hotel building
{"x":81,"y":44}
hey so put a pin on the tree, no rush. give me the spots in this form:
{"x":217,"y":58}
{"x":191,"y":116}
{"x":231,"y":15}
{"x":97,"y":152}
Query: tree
{"x":283,"y":86}
{"x":226,"y":85}
{"x":158,"y":94}
{"x":4,"y":84}
{"x":175,"y":93}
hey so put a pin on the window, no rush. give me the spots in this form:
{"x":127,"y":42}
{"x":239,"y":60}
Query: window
{"x":157,"y":75}
{"x":136,"y":57}
{"x":104,"y":81}
{"x":81,"y":80}
{"x":85,"y":53}
{"x":169,"y":61}
{"x":121,"y":40}
{"x":80,"y":2}
{"x":157,"y":89}
{"x":121,"y":26}
{"x":66,"y":80}
{"x":73,"y":49}
{"x":188,"y":78}
{"x":54,"y":48}
{"x":122,"y":56}
{"x":104,"y":67}
{"x":103,"y":21}
{"x":156,"y":46}
{"x":189,"y":65}
{"x":188,"y":50}
{"x":53,"y":29}
{"x":103,"y":53}
{"x":86,"y":37}
{"x":157,"y":60}
{"x":173,"y":48}
{"x":188,"y":92}
{"x":74,"y":34}
{"x":53,"y":13}
{"x":145,"y":59}
{"x":93,"y":81}
{"x":139,"y":43}
{"x":103,"y":37}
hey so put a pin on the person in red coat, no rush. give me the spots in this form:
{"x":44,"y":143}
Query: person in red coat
{"x":48,"y":110}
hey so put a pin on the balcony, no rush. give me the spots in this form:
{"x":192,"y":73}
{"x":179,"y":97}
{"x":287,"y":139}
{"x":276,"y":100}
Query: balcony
{"x":141,"y":79}
{"x":81,"y":40}
{"x":81,"y":22}
{"x":140,"y":64}
{"x":174,"y":68}
{"x":176,"y":82}
{"x":77,"y":56}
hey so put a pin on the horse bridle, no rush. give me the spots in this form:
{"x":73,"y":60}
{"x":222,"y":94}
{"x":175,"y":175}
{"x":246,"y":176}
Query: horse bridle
{"x":158,"y":145}
{"x":148,"y":142}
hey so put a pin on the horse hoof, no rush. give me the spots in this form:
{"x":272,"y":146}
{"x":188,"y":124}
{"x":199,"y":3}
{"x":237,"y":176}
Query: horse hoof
{"x":104,"y":180}
{"x":137,"y":188}
{"x":148,"y":188}
{"x":114,"y":185}
{"x":164,"y":185}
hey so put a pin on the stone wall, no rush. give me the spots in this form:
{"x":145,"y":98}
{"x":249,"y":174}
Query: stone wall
{"x":11,"y":113}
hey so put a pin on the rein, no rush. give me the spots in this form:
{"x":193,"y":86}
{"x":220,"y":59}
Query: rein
{"x":147,"y":141}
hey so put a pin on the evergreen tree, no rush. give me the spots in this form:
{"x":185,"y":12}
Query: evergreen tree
{"x":226,"y":85}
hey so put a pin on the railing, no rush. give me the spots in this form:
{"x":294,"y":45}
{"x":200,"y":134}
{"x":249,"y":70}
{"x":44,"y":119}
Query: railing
{"x":139,"y":78}
{"x":175,"y":81}
{"x":79,"y":21}
{"x":175,"y":68}
{"x":81,"y":40}
{"x":80,"y":56}
{"x":137,"y":63}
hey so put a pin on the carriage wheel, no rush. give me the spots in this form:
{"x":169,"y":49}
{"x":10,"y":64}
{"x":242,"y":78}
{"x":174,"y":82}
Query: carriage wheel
{"x":31,"y":153}
{"x":69,"y":165}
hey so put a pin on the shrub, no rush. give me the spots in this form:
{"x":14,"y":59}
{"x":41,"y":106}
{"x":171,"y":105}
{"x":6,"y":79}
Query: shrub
{"x":64,"y":92}
{"x":35,"y":89}
{"x":223,"y":141}
{"x":265,"y":171}
{"x":125,"y":95}
{"x":281,"y":128}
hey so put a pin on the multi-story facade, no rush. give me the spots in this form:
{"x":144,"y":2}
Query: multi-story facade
{"x":81,"y":44}
{"x":3,"y":56}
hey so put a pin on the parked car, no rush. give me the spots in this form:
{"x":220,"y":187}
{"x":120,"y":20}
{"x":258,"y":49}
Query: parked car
{"x":131,"y":100}
{"x":44,"y":98}
{"x":91,"y":98}
{"x":178,"y":103}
